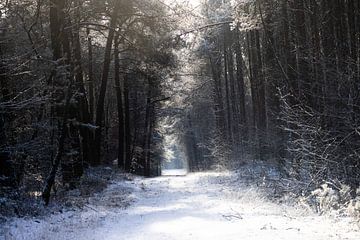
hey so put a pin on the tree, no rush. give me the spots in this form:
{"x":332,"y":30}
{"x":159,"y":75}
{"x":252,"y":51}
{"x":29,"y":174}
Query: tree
{"x":104,"y":81}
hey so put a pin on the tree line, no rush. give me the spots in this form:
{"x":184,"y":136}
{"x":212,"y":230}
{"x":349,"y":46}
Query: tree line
{"x":283,"y":78}
{"x":80,"y":87}
{"x":84,"y":82}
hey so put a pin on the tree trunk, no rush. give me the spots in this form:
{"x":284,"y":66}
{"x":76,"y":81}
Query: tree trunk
{"x":121,"y":126}
{"x":257,"y":90}
{"x":289,"y":59}
{"x":241,"y":87}
{"x":302,"y":53}
{"x":227,"y":94}
{"x":84,"y":115}
{"x":103,"y":87}
{"x":90,"y":76}
{"x":127,"y":126}
{"x":147,"y":143}
{"x":72,"y":168}
{"x":218,"y":103}
{"x":6,"y":165}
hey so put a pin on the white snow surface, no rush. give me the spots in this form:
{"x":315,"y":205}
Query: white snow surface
{"x":174,"y":172}
{"x":197,"y":206}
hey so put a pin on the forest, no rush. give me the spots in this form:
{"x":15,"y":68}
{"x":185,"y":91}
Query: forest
{"x":218,"y":84}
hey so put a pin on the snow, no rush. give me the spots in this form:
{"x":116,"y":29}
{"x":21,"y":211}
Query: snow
{"x":173,"y":172}
{"x":193,"y":206}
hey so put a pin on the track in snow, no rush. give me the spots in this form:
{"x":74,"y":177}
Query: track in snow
{"x":196,"y":206}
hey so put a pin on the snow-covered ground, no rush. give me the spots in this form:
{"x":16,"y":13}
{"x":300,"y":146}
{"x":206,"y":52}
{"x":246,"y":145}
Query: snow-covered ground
{"x":174,"y":172}
{"x":196,"y":206}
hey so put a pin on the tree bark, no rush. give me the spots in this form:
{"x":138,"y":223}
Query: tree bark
{"x":90,"y":76}
{"x":127,"y":126}
{"x":118,"y":90}
{"x":103,"y":87}
{"x":84,"y":115}
{"x":241,"y":87}
{"x":227,"y":93}
{"x":147,"y":141}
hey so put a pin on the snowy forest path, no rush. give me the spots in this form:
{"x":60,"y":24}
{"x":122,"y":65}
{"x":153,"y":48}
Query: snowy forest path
{"x":196,"y":206}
